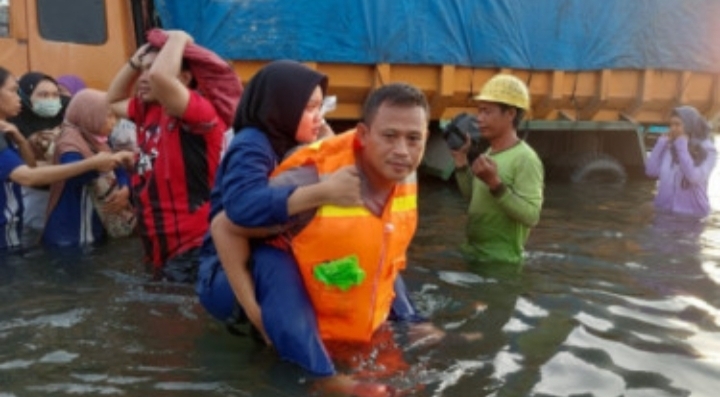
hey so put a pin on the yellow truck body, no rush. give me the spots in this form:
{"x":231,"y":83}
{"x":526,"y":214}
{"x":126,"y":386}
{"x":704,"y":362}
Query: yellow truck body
{"x":600,"y":111}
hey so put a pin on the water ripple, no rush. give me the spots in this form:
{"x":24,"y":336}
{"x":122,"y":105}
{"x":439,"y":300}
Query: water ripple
{"x":574,"y":376}
{"x":74,"y":388}
{"x":712,"y":269}
{"x":454,"y":373}
{"x":701,"y":377}
{"x":16,"y":364}
{"x":62,"y":320}
{"x":462,"y":279}
{"x":189,"y":386}
{"x":59,"y":357}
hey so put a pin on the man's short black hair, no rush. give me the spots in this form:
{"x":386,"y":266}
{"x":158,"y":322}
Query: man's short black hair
{"x":395,"y":94}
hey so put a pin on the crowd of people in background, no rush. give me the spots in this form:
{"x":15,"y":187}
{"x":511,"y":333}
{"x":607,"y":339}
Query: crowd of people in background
{"x":306,"y":245}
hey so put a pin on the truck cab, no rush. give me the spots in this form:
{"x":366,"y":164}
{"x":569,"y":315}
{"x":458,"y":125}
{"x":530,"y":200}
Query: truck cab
{"x":89,"y":38}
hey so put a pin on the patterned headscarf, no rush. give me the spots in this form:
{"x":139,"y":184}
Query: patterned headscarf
{"x":85,"y":117}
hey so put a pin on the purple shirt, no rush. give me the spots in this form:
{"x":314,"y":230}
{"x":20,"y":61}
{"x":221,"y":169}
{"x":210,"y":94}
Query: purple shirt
{"x":682,"y":186}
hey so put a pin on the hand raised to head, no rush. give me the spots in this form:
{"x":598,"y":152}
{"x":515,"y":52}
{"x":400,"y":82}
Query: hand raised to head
{"x":460,"y":155}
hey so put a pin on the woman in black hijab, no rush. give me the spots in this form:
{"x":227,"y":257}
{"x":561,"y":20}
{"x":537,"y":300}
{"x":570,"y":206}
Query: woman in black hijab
{"x":41,"y":113}
{"x":274,"y":101}
{"x":279,"y":108}
{"x":42,"y":105}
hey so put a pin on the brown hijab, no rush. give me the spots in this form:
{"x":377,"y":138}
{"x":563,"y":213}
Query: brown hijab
{"x":85,"y":117}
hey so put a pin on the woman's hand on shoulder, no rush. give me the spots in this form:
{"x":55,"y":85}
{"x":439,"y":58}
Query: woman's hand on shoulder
{"x":343,"y":187}
{"x":12,"y":132}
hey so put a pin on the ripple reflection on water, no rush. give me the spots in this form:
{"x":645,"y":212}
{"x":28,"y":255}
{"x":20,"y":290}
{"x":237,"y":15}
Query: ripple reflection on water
{"x":609,"y":302}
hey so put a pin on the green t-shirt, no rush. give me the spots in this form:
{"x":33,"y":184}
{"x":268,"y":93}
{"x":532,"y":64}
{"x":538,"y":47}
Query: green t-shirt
{"x":498,"y":227}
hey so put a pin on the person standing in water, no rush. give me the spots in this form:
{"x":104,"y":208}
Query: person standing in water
{"x":17,"y":165}
{"x":332,"y":276}
{"x":87,"y":208}
{"x":682,"y":161}
{"x":505,"y":184}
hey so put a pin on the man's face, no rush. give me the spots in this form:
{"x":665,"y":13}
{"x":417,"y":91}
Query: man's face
{"x":394,"y":142}
{"x":144,"y":90}
{"x":493,"y":121}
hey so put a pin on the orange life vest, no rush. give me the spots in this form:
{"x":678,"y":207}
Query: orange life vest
{"x":380,"y":243}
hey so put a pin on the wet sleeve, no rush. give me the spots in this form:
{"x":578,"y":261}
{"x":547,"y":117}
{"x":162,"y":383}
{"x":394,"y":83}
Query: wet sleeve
{"x":652,"y":165}
{"x":694,"y":174}
{"x":464,"y":179}
{"x":711,"y":161}
{"x":79,"y":180}
{"x":523,"y":197}
{"x":121,"y":174}
{"x":247,"y":197}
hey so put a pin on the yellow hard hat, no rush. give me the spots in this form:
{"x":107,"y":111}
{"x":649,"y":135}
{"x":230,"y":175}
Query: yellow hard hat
{"x":507,"y":89}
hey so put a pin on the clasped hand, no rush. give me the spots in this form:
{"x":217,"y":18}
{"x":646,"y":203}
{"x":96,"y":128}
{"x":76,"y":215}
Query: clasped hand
{"x":344,"y":187}
{"x":485,"y":169}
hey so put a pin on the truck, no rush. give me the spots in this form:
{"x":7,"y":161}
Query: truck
{"x":600,"y":74}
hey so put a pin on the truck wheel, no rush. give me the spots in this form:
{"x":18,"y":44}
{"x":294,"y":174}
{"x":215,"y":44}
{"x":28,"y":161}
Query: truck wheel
{"x":598,"y":168}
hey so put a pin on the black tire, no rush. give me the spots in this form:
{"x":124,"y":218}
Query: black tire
{"x":598,"y":168}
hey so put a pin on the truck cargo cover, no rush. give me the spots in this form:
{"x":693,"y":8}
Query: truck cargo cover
{"x":526,"y":34}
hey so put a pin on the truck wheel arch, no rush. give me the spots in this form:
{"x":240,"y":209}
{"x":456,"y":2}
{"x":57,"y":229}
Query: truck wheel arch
{"x":598,"y":168}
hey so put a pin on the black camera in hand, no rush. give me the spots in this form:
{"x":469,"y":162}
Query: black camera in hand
{"x":465,"y":124}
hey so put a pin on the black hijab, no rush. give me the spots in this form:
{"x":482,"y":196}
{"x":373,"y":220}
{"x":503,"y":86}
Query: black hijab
{"x":274,"y":101}
{"x":27,"y":121}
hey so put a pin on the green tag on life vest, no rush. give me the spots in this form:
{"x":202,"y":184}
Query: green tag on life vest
{"x":343,"y":273}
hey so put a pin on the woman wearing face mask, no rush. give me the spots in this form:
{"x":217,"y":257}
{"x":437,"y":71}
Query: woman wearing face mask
{"x":42,"y":105}
{"x":17,"y":165}
{"x":41,"y":114}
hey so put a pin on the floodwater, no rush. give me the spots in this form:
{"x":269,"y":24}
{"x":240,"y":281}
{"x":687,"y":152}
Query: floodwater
{"x":610,"y":302}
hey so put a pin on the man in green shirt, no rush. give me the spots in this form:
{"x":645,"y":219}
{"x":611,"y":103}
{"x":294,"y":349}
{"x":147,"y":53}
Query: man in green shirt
{"x":505,"y":184}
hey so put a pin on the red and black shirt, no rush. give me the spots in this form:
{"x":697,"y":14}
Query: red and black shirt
{"x":174,"y":174}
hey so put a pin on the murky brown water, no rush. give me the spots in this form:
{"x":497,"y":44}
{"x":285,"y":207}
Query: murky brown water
{"x":610,"y":302}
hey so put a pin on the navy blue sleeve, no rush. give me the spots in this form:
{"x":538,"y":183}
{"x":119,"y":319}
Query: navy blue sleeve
{"x":9,"y":160}
{"x":123,"y":179}
{"x":248,"y":199}
{"x":79,"y":180}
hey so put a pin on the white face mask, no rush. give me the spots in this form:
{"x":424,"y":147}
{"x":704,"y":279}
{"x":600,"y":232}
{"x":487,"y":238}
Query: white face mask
{"x":47,"y":107}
